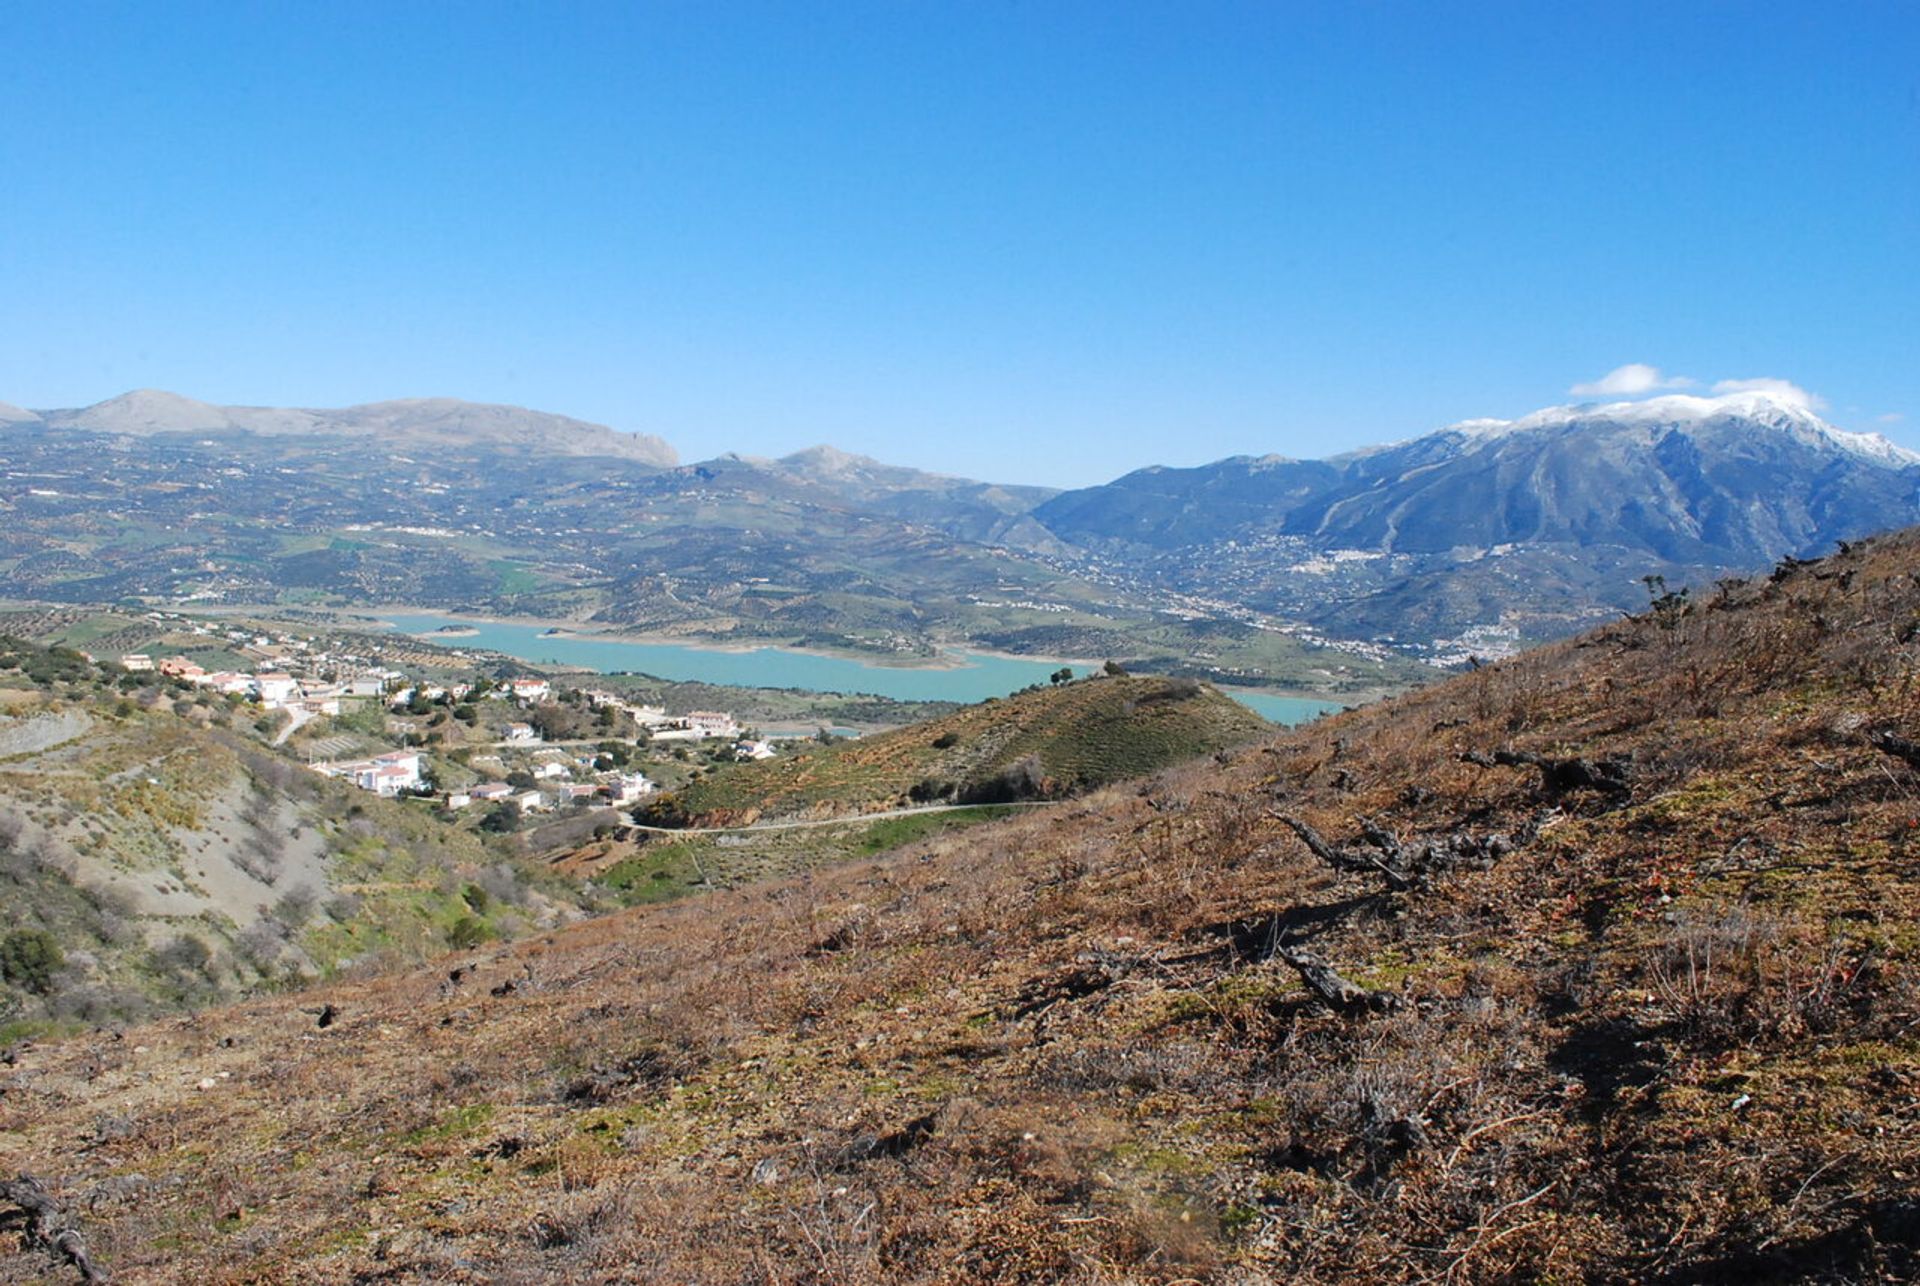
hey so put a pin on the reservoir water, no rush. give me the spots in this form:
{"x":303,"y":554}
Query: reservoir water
{"x":976,"y":679}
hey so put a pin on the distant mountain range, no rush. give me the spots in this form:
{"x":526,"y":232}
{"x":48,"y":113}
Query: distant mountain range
{"x":407,"y":423}
{"x":1472,"y":538}
{"x":1737,"y":479}
{"x":1542,"y":524}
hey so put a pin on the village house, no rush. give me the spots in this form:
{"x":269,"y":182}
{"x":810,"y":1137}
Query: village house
{"x":386,"y":775}
{"x":712,"y":723}
{"x":275,"y":689}
{"x":628,"y":788}
{"x":487,"y":791}
{"x":522,"y":732}
{"x":532,"y":801}
{"x":179,"y":667}
{"x":530,"y":690}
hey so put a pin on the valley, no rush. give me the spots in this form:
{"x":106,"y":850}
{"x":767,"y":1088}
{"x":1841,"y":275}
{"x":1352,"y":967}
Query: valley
{"x":1595,"y":961}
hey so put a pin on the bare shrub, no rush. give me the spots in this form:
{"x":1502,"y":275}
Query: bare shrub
{"x":1707,"y":970}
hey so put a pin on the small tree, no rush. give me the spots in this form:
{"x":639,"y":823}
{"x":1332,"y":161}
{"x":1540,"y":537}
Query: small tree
{"x":1062,"y":675}
{"x":503,"y":820}
{"x":29,"y":958}
{"x":466,"y":933}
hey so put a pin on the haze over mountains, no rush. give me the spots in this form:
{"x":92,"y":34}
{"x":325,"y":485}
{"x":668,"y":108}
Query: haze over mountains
{"x":1487,"y":531}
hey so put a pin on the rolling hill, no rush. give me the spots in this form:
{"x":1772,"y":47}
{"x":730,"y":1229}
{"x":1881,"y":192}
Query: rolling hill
{"x":1593,"y":964}
{"x":1048,"y":743}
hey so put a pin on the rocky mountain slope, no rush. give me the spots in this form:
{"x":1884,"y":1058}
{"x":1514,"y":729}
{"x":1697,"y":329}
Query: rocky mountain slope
{"x":1595,"y":964}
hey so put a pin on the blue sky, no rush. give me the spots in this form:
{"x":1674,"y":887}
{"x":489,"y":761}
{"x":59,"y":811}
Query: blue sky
{"x":1027,"y":241}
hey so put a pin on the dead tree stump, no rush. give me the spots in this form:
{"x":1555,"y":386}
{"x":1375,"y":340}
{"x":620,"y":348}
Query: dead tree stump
{"x":1340,"y":994}
{"x":48,"y":1226}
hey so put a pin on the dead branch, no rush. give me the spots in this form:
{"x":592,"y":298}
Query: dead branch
{"x":1892,"y":743}
{"x":1406,"y":865}
{"x":49,"y":1227}
{"x":1355,"y":860}
{"x":1347,"y":997}
{"x":1611,"y":777}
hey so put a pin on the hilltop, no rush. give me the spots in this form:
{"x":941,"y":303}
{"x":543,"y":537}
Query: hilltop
{"x":1046,"y":743}
{"x":1596,"y":963}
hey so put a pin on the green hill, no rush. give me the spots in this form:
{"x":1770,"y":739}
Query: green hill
{"x":1046,"y":743}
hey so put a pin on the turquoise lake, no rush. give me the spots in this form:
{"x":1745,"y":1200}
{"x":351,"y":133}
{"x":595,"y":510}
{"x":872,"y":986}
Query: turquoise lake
{"x":771,"y":667}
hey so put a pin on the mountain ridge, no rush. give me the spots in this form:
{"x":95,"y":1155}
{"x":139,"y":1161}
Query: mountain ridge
{"x":439,"y":421}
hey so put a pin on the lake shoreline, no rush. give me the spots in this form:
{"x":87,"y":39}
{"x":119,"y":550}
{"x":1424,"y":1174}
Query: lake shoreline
{"x":403,"y":620}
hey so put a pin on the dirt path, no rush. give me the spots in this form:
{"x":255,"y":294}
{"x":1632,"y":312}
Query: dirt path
{"x":855,"y":820}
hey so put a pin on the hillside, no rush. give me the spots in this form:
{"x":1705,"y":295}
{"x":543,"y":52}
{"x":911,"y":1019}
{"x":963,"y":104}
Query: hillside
{"x":1613,"y":962}
{"x":169,"y":857}
{"x":1046,"y":743}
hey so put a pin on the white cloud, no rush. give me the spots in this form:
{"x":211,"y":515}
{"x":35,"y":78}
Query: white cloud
{"x":1892,"y":417}
{"x":1628,"y":380}
{"x":1781,"y":390}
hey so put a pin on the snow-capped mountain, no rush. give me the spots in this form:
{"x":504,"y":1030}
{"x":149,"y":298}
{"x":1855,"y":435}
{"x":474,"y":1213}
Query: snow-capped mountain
{"x":1549,"y":518}
{"x":1726,"y":481}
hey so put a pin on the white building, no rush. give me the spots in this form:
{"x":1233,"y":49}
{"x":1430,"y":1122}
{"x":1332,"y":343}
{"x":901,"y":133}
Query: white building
{"x":386,"y":775}
{"x":275,"y":689}
{"x":530,"y":689}
{"x":712,"y":723}
{"x":628,"y":788}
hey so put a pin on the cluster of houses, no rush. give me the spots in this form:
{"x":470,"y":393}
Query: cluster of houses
{"x":287,"y":678}
{"x":695,"y":725}
{"x":272,"y":689}
{"x":616,"y":789}
{"x":388,"y":775}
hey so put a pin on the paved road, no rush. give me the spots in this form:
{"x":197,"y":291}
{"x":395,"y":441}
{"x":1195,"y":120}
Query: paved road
{"x":300,"y":716}
{"x":854,"y":820}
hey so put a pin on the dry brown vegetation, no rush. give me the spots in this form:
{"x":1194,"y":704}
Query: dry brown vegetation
{"x":1668,"y":1032}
